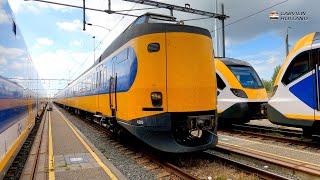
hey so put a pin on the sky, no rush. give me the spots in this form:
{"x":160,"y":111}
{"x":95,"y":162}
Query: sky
{"x":60,"y":49}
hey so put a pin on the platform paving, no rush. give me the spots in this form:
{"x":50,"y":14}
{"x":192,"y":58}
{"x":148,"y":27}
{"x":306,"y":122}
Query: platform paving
{"x":71,"y":157}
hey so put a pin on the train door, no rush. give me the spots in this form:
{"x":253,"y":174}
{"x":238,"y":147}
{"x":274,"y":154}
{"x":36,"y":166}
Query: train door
{"x":113,"y":89}
{"x":315,"y":55}
{"x":101,"y":86}
{"x":300,"y":80}
{"x":97,"y":89}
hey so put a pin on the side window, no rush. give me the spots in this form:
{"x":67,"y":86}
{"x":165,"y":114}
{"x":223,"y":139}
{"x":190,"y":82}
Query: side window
{"x":299,"y":66}
{"x":220,"y":83}
{"x":100,"y":78}
{"x":97,"y":79}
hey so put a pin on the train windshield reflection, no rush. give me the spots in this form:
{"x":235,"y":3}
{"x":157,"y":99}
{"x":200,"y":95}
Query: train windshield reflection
{"x":246,"y":76}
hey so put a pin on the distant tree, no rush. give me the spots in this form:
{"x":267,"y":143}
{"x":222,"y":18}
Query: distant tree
{"x":267,"y":84}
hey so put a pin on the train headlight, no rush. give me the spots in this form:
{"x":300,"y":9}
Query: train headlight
{"x":156,"y":98}
{"x":239,"y":93}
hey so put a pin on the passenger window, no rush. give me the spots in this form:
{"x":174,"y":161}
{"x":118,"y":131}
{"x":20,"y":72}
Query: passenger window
{"x":297,"y":68}
{"x":220,"y":83}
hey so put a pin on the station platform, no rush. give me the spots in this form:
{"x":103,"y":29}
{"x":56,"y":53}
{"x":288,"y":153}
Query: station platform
{"x":66,"y":154}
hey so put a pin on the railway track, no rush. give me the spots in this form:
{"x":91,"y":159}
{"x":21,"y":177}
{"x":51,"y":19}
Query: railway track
{"x":18,"y":165}
{"x":293,"y":167}
{"x":287,"y":136}
{"x":261,"y":173}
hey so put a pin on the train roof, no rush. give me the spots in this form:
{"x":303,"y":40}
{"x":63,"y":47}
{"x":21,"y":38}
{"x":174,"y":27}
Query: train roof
{"x":307,"y":40}
{"x":160,"y":16}
{"x":234,"y":62}
{"x":126,"y":35}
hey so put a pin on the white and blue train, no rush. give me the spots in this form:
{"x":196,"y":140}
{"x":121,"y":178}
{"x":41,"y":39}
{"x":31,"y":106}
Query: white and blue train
{"x":296,"y":97}
{"x":18,"y":103}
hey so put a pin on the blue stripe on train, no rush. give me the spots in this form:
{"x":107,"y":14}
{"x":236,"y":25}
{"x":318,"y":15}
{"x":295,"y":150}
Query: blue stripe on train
{"x":126,"y":73}
{"x":305,"y":91}
{"x":8,"y":117}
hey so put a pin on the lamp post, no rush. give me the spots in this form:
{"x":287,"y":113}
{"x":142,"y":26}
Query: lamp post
{"x":94,"y":49}
{"x":94,"y":37}
{"x":287,"y":40}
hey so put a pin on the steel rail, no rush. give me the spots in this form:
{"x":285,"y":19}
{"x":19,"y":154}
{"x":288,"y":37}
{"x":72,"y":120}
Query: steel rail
{"x":262,"y":173}
{"x":299,"y":168}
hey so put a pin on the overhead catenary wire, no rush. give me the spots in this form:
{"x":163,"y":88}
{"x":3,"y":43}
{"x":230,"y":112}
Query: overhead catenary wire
{"x":100,"y":43}
{"x":251,"y":15}
{"x":81,"y":7}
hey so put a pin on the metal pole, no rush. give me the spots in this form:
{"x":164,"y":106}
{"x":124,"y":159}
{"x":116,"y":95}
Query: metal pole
{"x":84,"y":15}
{"x":94,"y":49}
{"x":287,"y":41}
{"x":109,"y":5}
{"x":223,"y":33}
{"x":216,"y":37}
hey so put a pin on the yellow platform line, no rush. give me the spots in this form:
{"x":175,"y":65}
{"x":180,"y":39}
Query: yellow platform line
{"x":51,"y":156}
{"x":94,"y":155}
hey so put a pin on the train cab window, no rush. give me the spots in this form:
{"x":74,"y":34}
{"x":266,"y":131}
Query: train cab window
{"x":247,"y":76}
{"x":297,"y":68}
{"x":220,"y":83}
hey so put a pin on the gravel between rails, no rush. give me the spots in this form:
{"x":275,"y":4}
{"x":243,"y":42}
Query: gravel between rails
{"x":101,"y":141}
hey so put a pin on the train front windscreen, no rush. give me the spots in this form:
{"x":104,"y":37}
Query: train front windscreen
{"x":247,"y":76}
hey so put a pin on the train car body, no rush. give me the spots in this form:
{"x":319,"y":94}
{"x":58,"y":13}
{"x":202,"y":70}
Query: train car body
{"x":17,"y":101}
{"x":156,"y":80}
{"x":240,"y":91}
{"x":295,"y":100}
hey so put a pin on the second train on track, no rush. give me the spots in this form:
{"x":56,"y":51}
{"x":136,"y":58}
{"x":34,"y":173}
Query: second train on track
{"x":151,"y":82}
{"x":241,"y":93}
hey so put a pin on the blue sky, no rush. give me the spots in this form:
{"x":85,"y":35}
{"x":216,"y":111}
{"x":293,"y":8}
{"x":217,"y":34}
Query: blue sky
{"x":60,"y":49}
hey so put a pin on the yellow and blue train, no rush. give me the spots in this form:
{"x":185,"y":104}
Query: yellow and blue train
{"x":296,"y":100}
{"x":240,"y":92}
{"x":18,"y":103}
{"x":157,"y":81}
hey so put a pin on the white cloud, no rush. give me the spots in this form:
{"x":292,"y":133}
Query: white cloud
{"x":36,"y":7}
{"x":17,"y":65}
{"x":44,"y":41}
{"x":56,"y":64}
{"x":3,"y":17}
{"x":76,"y":43}
{"x":264,"y":62}
{"x":3,"y":61}
{"x":61,"y":64}
{"x":11,"y":52}
{"x":19,"y":6}
{"x":70,"y":26}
